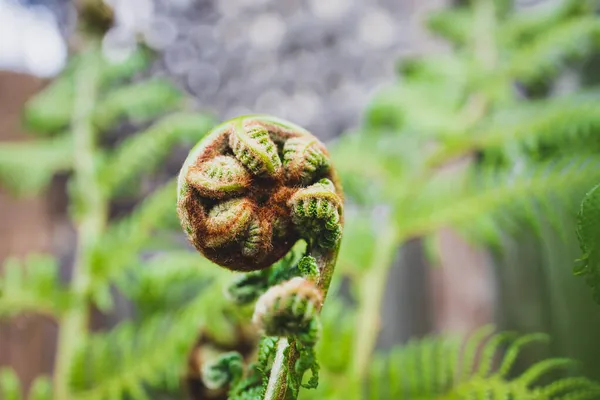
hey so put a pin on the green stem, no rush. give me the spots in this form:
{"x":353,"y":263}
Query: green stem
{"x":286,"y":354}
{"x":370,"y":293}
{"x":277,"y":385}
{"x":91,"y":209}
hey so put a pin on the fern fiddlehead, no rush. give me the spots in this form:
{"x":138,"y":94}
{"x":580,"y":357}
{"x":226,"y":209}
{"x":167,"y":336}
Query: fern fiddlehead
{"x":247,"y":193}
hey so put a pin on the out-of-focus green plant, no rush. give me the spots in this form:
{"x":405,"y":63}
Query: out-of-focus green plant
{"x":92,"y":96}
{"x":479,"y":138}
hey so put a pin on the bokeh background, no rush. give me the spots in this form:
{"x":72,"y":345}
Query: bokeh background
{"x":318,"y":63}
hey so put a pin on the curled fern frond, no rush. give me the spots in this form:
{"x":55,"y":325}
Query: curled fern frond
{"x":290,"y":309}
{"x":223,"y":176}
{"x":304,"y":158}
{"x":225,"y":370}
{"x":246,"y":194}
{"x":316,"y":212}
{"x":238,"y":168}
{"x":254,"y":148}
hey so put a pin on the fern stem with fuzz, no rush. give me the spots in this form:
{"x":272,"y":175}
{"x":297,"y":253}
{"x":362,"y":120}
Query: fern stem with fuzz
{"x":90,"y":220}
{"x":287,"y":354}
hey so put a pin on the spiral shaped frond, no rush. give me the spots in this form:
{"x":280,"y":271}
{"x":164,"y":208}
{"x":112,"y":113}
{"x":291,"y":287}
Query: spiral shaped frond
{"x":290,"y":308}
{"x":226,"y":221}
{"x":308,"y":267}
{"x":223,"y":371}
{"x":220,"y":177}
{"x":316,"y":212}
{"x":243,"y":208}
{"x":255,"y":149}
{"x":304,"y":158}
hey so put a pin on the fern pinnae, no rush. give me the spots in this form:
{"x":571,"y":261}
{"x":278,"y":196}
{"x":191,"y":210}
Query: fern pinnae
{"x":254,"y":148}
{"x":541,"y":368}
{"x":566,"y":386}
{"x":138,"y":102}
{"x":470,"y":351}
{"x":142,"y":152}
{"x":489,"y":351}
{"x":514,"y":349}
{"x":544,"y":56}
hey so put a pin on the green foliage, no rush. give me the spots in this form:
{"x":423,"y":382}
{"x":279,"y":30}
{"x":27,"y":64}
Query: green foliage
{"x":442,"y":368}
{"x":10,"y":387}
{"x":142,"y":152}
{"x":588,"y":232}
{"x":41,"y":159}
{"x":137,"y":354}
{"x":128,"y":358}
{"x":27,"y":167}
{"x":51,"y":110}
{"x":482,"y":365}
{"x":32,"y":285}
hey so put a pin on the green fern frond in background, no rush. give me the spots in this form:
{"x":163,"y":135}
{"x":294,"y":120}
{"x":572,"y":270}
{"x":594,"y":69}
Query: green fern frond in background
{"x":143,"y":152}
{"x":136,"y":354}
{"x":480,"y":368}
{"x":51,"y":110}
{"x":10,"y":387}
{"x":126,"y":360}
{"x":32,"y":285}
{"x":27,"y":168}
{"x":137,"y":102}
{"x":588,"y":233}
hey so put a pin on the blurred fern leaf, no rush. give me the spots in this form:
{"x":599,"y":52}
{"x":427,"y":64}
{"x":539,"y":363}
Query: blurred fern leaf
{"x":137,"y":102}
{"x":588,"y":233}
{"x":441,"y":368}
{"x":51,"y":110}
{"x":26,"y":168}
{"x":126,"y":360}
{"x":507,"y":195}
{"x":142,"y":152}
{"x":32,"y":285}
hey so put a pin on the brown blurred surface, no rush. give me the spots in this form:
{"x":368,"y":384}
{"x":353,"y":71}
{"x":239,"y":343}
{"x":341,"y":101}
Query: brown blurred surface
{"x":26,"y":342}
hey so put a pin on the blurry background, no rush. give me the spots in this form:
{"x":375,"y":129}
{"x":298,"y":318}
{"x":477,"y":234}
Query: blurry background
{"x":317,"y":63}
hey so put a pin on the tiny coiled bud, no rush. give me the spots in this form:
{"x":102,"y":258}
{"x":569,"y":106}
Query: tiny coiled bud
{"x":309,"y":268}
{"x":226,"y":369}
{"x":223,"y":176}
{"x":316,"y":212}
{"x":226,"y":221}
{"x":255,"y":149}
{"x":241,"y":187}
{"x":304,"y":158}
{"x":290,"y":308}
